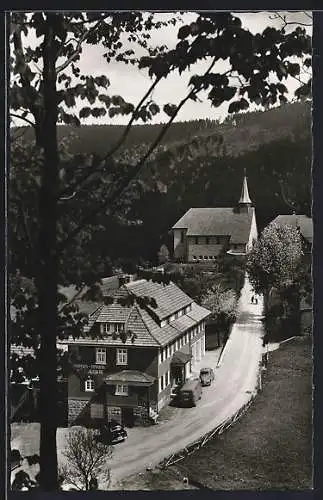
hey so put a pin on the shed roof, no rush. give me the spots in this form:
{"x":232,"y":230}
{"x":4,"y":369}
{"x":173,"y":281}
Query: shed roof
{"x":180,"y":358}
{"x":132,"y":377}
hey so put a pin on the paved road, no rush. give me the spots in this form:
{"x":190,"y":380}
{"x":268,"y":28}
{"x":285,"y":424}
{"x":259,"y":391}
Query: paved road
{"x":236,"y":378}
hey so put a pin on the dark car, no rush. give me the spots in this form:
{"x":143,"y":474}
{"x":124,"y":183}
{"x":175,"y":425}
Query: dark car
{"x":190,"y":393}
{"x":206,"y":376}
{"x":113,"y":433}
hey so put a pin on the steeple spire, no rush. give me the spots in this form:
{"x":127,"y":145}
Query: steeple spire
{"x":245,"y":201}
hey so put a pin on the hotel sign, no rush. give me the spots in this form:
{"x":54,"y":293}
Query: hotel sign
{"x":91,"y":369}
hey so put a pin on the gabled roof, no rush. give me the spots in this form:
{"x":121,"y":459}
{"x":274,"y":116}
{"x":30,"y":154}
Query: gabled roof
{"x":304,"y":223}
{"x":140,"y":320}
{"x":169,"y":298}
{"x":217,"y":222}
{"x":114,"y":312}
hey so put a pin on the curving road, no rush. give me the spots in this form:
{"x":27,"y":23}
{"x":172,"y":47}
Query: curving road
{"x":236,"y":378}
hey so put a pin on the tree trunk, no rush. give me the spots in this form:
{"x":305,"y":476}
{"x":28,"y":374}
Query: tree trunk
{"x":47,"y":271}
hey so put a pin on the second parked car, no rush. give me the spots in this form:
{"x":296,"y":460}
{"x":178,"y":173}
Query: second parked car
{"x":206,"y":376}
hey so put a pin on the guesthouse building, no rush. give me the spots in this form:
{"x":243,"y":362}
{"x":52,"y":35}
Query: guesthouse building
{"x":144,"y":340}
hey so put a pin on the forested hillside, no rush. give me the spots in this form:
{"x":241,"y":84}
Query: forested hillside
{"x":200,"y":163}
{"x":241,"y":131}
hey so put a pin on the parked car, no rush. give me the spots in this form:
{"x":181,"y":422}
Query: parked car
{"x":190,"y":393}
{"x":112,"y":433}
{"x":206,"y":376}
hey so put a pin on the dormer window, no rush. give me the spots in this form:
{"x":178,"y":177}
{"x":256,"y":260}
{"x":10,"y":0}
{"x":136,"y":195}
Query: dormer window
{"x":105,"y":328}
{"x":119,"y":327}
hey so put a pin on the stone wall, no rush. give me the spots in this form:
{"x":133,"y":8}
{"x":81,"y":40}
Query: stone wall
{"x":77,"y":408}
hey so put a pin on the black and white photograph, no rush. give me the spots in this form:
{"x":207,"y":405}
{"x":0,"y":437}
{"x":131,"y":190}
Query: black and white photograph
{"x":159,"y":251}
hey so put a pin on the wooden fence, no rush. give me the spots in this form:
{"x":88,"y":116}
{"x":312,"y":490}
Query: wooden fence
{"x":218,"y":430}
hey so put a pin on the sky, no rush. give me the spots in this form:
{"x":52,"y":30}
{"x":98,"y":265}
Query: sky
{"x":131,"y":83}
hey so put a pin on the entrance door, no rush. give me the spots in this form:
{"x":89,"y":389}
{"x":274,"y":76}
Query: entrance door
{"x":127,"y":417}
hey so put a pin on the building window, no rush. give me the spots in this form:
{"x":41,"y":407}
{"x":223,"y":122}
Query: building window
{"x":207,"y":240}
{"x":105,"y":328}
{"x":194,"y":257}
{"x":162,"y":355}
{"x":196,"y":239}
{"x":167,"y":379}
{"x":201,"y":257}
{"x":101,"y":356}
{"x":119,"y":327}
{"x":122,"y":356}
{"x":121,"y":390}
{"x":217,"y":240}
{"x":182,"y":236}
{"x":210,"y":257}
{"x":162,"y":383}
{"x":89,"y":385}
{"x":205,"y":257}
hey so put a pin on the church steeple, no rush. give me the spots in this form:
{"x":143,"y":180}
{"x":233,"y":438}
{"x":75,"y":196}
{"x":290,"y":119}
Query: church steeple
{"x":245,"y":201}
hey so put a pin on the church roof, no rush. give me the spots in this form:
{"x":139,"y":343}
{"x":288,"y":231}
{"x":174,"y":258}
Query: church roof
{"x":244,"y":198}
{"x":304,"y":223}
{"x":217,"y":222}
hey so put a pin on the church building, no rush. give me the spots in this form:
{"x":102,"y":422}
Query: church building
{"x":204,"y":233}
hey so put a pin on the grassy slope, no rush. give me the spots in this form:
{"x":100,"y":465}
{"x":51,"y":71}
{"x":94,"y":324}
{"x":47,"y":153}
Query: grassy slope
{"x":270,"y":447}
